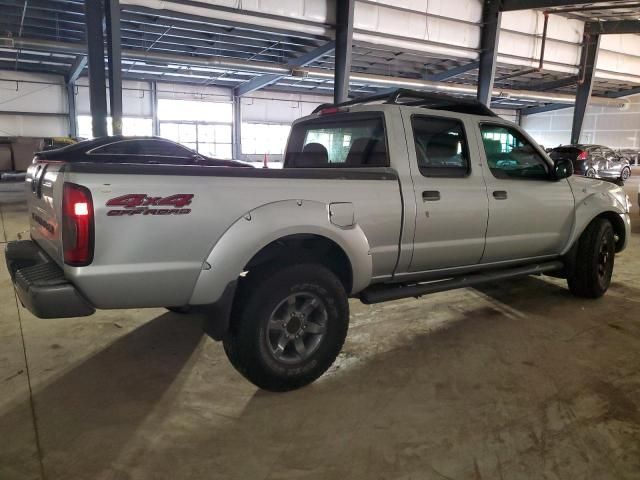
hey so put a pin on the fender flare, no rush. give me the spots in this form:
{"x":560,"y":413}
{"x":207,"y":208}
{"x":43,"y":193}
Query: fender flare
{"x":258,"y":228}
{"x":589,"y":208}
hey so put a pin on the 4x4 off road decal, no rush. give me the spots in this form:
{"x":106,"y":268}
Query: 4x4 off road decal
{"x":142,"y":204}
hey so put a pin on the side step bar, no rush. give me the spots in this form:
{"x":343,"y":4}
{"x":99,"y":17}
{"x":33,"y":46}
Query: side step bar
{"x":386,"y":292}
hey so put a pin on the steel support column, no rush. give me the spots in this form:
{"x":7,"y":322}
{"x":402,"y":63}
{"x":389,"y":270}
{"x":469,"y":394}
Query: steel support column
{"x":588,"y":59}
{"x":71,"y":108}
{"x":237,"y":128}
{"x":114,"y":58}
{"x":491,"y":17}
{"x":155,"y":123}
{"x":97,"y":80}
{"x":344,"y":43}
{"x":77,"y":68}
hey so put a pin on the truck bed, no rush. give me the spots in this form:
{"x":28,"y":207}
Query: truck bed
{"x":165,"y":249}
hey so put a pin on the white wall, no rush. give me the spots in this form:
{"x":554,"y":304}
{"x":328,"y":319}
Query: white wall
{"x":36,"y":93}
{"x":614,"y":128}
{"x":136,"y":98}
{"x":47,"y":96}
{"x":261,"y":106}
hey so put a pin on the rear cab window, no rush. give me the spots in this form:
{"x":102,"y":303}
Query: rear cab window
{"x":441,"y":146}
{"x":348,"y":140}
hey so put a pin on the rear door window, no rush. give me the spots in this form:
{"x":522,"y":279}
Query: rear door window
{"x":441,"y":146}
{"x":342,"y":140}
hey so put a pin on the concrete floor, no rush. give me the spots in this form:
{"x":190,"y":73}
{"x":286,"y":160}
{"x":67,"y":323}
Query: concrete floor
{"x":511,"y":381}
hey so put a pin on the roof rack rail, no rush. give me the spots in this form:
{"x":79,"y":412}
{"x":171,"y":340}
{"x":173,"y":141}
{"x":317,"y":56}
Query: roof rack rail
{"x":416,"y":98}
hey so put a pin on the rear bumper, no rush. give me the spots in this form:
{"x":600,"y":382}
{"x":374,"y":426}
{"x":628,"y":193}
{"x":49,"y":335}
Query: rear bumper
{"x":41,"y":285}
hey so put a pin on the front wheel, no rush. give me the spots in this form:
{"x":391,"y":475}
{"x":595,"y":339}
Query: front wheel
{"x":626,"y":173}
{"x":591,"y":273}
{"x":288,"y":327}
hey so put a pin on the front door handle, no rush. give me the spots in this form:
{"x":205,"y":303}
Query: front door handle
{"x":500,"y":195}
{"x":430,"y":195}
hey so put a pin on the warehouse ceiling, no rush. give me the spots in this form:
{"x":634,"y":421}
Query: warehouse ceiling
{"x":600,"y":11}
{"x":166,"y":32}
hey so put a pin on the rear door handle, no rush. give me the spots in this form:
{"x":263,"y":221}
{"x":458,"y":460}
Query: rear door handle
{"x":430,"y":195}
{"x":500,"y":195}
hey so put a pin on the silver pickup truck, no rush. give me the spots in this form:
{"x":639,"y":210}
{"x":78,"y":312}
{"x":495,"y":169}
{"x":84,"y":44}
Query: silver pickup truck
{"x":383,"y":198}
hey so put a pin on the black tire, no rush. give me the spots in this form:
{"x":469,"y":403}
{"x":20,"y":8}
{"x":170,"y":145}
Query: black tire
{"x":591,"y":173}
{"x":625,"y":174}
{"x":249,"y":343}
{"x":591,"y":272}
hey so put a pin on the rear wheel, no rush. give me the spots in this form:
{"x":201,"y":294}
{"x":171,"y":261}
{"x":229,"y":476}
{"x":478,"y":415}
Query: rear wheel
{"x":591,"y":173}
{"x":591,"y":273}
{"x":288,"y":326}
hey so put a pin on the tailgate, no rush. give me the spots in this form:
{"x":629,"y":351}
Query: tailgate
{"x":44,"y":199}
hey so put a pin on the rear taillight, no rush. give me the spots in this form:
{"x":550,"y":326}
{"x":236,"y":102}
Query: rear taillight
{"x":77,"y":225}
{"x":330,"y":110}
{"x":583,"y":155}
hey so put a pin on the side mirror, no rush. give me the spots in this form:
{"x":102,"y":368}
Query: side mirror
{"x":562,"y":169}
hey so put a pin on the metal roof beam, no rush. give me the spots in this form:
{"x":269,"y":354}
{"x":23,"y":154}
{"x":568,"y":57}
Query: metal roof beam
{"x":33,"y":67}
{"x":544,"y":108}
{"x":247,"y":29}
{"x":77,"y":68}
{"x":143,"y":20}
{"x":452,"y":72}
{"x":511,"y":5}
{"x":208,"y":50}
{"x":612,"y":27}
{"x":47,"y":6}
{"x":549,"y":85}
{"x":263,"y":80}
{"x":623,"y":93}
{"x":192,"y":38}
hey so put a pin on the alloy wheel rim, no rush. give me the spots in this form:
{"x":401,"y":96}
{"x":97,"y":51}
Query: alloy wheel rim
{"x":604,"y":259}
{"x":296,"y":327}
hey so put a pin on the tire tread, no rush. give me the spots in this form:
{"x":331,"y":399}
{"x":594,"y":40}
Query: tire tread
{"x":239,"y":344}
{"x":584,"y":272}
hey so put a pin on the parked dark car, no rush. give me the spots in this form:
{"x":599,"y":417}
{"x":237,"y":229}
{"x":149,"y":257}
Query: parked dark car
{"x":120,"y":149}
{"x":596,"y":161}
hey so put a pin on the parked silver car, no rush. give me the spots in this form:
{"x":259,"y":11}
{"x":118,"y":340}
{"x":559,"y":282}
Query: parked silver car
{"x":595,"y":161}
